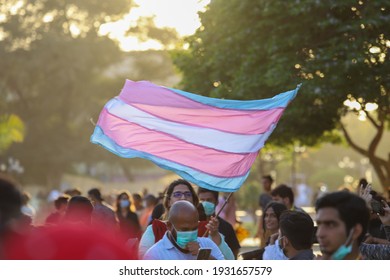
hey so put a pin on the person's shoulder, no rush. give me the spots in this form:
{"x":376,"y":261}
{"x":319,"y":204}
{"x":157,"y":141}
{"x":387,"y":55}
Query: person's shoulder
{"x":224,"y":223}
{"x":225,"y":227}
{"x":153,"y":253}
{"x":107,"y":207}
{"x":299,"y":209}
{"x":159,"y":244}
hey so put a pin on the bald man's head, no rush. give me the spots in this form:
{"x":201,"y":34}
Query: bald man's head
{"x":183,"y":216}
{"x":183,"y":210}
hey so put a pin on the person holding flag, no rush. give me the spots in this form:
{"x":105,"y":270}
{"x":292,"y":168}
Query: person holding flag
{"x":210,"y":142}
{"x":182,"y":190}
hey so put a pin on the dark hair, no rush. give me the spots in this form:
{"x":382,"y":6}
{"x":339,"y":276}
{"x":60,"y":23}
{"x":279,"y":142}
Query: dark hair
{"x":95,"y":193}
{"x":277,"y":207}
{"x":10,"y":200}
{"x":269,"y":178}
{"x":62,"y":199}
{"x":172,"y":186}
{"x":298,"y":227}
{"x":150,"y":199}
{"x":137,"y":196}
{"x":363,"y":182}
{"x":79,"y":209}
{"x":203,"y":190}
{"x":283,"y":191}
{"x":201,"y":213}
{"x":73,"y":192}
{"x":352,"y":209}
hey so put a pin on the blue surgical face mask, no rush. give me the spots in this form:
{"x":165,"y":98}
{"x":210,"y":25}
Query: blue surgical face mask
{"x":342,"y":252}
{"x":183,"y":237}
{"x":124,"y":203}
{"x":209,"y":208}
{"x":344,"y":249}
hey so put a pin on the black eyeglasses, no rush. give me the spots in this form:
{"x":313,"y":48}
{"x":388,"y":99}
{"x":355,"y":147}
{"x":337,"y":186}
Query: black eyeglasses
{"x":180,"y":194}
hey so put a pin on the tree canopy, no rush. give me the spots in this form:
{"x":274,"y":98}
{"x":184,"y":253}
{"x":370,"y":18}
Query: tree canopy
{"x":53,"y":75}
{"x":338,"y":50}
{"x":11,"y":130}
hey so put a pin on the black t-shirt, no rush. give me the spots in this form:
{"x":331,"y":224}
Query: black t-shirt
{"x":230,"y":235}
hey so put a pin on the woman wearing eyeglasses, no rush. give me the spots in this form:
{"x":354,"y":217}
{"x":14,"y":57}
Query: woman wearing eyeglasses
{"x":182,"y":190}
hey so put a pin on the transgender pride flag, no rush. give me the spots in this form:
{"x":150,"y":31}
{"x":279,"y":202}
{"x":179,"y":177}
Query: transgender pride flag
{"x":210,"y":142}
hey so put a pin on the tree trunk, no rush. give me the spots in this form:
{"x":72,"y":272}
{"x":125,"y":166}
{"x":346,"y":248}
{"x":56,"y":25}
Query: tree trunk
{"x":381,"y":166}
{"x":382,"y":169}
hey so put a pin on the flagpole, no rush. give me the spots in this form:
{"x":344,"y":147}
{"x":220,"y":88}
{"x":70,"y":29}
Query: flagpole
{"x":92,"y":121}
{"x":223,"y":206}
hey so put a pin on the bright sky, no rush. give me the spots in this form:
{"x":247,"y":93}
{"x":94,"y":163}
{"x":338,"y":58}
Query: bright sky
{"x":179,"y":14}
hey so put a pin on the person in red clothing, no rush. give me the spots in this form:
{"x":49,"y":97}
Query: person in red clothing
{"x":75,"y":239}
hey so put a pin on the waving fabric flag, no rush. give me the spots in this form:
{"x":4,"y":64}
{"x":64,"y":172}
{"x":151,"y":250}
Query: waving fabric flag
{"x":210,"y":142}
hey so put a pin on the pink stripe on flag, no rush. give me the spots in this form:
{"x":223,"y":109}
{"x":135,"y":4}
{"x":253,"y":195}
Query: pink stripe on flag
{"x":233,"y":121}
{"x":206,"y":160}
{"x":175,"y":107}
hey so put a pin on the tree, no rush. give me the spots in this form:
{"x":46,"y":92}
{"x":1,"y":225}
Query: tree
{"x":11,"y":131}
{"x":53,"y":74}
{"x":337,"y":49}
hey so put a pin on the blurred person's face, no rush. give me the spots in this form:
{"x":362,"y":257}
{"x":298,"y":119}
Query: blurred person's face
{"x":270,"y":220}
{"x":184,"y":227}
{"x":92,"y":199}
{"x":124,"y":197}
{"x":124,"y":201}
{"x":266,"y":184}
{"x":331,"y":232}
{"x":207,"y":196}
{"x":137,"y":201}
{"x":209,"y":202}
{"x":62,"y":208}
{"x":180,"y":192}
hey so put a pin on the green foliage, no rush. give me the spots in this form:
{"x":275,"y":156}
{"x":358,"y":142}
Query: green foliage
{"x":338,"y":50}
{"x":247,"y":196}
{"x":255,"y":49}
{"x":11,"y":130}
{"x":53,"y":74}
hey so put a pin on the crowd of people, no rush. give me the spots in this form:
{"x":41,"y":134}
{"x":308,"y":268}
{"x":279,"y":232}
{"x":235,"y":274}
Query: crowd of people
{"x":183,"y":225}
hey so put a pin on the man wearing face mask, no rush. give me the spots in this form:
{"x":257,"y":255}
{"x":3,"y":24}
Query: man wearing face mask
{"x":181,"y":241}
{"x":296,"y":235}
{"x":209,"y":200}
{"x":342,"y":220}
